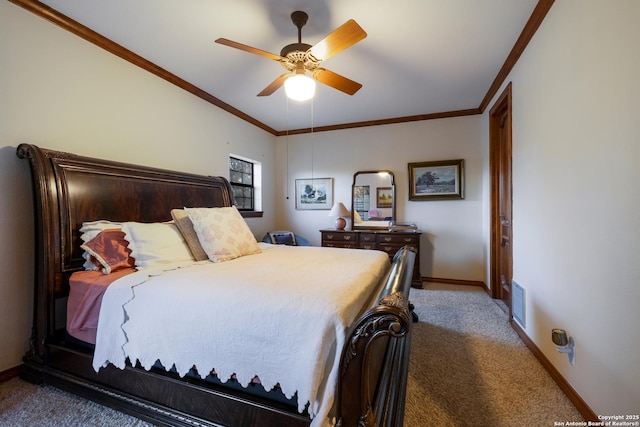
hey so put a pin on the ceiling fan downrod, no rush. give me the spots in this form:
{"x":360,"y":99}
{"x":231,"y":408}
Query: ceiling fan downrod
{"x":299,"y":19}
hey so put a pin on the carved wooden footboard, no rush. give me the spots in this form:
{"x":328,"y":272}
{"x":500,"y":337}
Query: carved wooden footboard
{"x":69,"y":190}
{"x":375,"y":360}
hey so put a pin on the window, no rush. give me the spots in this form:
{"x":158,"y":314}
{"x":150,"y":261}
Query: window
{"x":362,"y":201}
{"x":244,"y":177}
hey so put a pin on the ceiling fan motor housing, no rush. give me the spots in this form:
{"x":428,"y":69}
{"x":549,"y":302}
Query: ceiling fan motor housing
{"x":295,"y":54}
{"x":293,"y":48}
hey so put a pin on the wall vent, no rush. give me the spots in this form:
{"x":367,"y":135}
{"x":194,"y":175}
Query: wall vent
{"x":517,"y":302}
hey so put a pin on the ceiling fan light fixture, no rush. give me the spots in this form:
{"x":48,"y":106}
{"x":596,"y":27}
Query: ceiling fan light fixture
{"x":300,"y":58}
{"x":300,"y":87}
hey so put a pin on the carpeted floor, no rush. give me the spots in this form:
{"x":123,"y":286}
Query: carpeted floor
{"x":468,"y":368}
{"x":26,"y":405}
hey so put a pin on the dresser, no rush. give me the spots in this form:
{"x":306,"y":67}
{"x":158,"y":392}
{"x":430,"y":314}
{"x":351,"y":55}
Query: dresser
{"x":382,"y":240}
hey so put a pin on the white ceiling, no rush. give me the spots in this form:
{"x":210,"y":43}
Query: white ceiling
{"x":420,"y":56}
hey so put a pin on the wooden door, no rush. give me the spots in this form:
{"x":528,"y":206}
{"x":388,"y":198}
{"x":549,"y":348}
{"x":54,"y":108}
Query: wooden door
{"x":501,"y":198}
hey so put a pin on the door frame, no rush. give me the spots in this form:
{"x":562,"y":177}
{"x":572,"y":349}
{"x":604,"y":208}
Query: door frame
{"x":502,"y":103}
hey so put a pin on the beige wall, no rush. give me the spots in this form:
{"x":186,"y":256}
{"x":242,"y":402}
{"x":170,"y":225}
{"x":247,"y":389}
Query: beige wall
{"x":452,"y":245}
{"x":576,"y":226}
{"x":58,"y":91}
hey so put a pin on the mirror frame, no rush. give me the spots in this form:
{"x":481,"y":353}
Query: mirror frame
{"x":354,"y":226}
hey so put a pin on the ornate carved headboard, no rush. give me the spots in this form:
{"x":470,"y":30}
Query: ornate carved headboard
{"x":70,"y":189}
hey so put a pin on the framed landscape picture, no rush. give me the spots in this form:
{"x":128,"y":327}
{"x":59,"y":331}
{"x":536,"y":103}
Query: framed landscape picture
{"x":384,"y":197}
{"x":314,"y":193}
{"x":436,"y":180}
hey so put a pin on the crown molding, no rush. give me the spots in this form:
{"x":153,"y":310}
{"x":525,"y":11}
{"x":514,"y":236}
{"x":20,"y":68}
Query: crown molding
{"x":44,"y":11}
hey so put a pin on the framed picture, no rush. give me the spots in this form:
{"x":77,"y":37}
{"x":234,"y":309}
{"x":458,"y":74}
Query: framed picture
{"x":314,"y":193}
{"x":384,"y":197}
{"x":436,"y":180}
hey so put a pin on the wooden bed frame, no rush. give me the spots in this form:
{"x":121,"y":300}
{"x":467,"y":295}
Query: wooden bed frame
{"x":69,"y":190}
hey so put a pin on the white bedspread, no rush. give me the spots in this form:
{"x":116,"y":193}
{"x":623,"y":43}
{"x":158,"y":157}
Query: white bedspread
{"x":280,"y":315}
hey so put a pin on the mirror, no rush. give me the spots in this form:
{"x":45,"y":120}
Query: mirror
{"x":373,"y":200}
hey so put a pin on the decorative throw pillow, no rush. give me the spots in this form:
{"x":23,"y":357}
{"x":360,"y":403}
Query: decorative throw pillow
{"x":282,"y":238}
{"x":157,"y":244}
{"x":184,"y":224}
{"x":223,"y":233}
{"x":109,"y":249}
{"x":89,"y":231}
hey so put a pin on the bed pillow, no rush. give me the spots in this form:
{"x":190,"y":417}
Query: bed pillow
{"x":90,"y":230}
{"x":184,"y":224}
{"x":223,"y":233}
{"x":109,"y":250}
{"x":157,"y":244}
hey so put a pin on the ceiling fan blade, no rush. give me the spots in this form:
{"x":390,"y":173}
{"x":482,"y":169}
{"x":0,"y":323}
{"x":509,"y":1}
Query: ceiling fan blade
{"x":275,"y":85}
{"x":341,"y":38}
{"x":336,"y":81}
{"x":249,"y":49}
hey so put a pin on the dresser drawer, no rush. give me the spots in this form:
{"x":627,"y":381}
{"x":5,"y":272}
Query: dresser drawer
{"x":368,"y":241}
{"x":391,"y":242}
{"x":398,"y":239}
{"x":340,"y":244}
{"x":329,"y":236}
{"x":391,"y":249}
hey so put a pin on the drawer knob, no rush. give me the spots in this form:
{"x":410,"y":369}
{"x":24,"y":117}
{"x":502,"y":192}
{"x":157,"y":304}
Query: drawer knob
{"x":387,"y":239}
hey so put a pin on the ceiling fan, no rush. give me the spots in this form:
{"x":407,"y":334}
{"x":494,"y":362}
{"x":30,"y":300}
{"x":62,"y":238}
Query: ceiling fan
{"x":300,"y":58}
